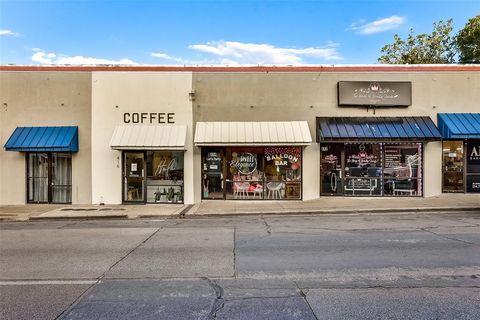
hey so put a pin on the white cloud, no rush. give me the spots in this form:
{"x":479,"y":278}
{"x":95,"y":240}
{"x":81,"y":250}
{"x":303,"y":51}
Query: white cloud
{"x":9,"y":33}
{"x":161,"y":55}
{"x":377,"y":26}
{"x":51,"y":58}
{"x":240,"y":53}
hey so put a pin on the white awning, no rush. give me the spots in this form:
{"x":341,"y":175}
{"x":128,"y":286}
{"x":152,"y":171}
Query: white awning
{"x":145,"y":137}
{"x":274,"y":133}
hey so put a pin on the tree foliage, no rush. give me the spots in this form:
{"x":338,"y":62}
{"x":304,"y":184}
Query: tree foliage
{"x":437,"y":47}
{"x":468,"y":41}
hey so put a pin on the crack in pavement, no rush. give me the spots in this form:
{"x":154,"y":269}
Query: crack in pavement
{"x":303,"y":294}
{"x":268,"y":228}
{"x":102,"y":276}
{"x":445,"y":237}
{"x":261,"y":297}
{"x":219,"y":301}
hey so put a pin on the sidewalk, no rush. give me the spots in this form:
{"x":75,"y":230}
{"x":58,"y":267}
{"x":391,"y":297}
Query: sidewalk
{"x":324,"y":205}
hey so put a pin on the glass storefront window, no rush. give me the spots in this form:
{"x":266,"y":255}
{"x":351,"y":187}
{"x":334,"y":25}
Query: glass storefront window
{"x":252,"y":173}
{"x":165,"y":177}
{"x":453,"y":166}
{"x":473,"y":166}
{"x":283,"y":172}
{"x":403,"y":169}
{"x":371,"y":169}
{"x":245,"y":173}
{"x":49,"y":177}
{"x":363,"y":169}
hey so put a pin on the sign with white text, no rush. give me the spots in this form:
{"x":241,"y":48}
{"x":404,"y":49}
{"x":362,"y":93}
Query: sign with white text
{"x":374,"y":93}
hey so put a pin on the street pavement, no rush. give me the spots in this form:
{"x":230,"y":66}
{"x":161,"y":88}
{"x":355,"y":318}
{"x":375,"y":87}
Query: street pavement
{"x":356,"y":266}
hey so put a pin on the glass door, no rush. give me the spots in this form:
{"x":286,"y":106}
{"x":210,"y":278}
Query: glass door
{"x":49,"y":177}
{"x":37,"y":178}
{"x":453,"y":168}
{"x":134,"y":177}
{"x":212,"y":178}
{"x":331,"y":169}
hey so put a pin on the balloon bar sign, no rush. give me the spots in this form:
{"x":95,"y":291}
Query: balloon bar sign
{"x":284,"y":156}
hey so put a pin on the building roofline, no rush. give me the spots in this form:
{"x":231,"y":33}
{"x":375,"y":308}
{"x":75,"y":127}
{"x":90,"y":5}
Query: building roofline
{"x":320,"y":68}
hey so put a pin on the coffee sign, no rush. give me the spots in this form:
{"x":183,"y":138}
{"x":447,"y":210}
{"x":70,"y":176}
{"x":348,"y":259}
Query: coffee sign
{"x":373,"y":93}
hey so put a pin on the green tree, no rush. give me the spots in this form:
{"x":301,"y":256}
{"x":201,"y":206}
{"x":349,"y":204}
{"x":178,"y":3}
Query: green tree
{"x":468,"y":41}
{"x":434,"y":48}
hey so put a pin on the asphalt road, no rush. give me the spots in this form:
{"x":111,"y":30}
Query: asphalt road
{"x":402,"y":266}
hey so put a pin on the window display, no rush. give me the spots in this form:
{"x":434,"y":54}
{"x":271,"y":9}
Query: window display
{"x":403,"y":169}
{"x":252,"y":173}
{"x":363,"y":169}
{"x":371,"y":169}
{"x":165,"y":176}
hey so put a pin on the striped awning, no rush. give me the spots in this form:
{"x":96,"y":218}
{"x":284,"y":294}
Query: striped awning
{"x":37,"y":139}
{"x":376,"y":129}
{"x":459,"y":125}
{"x":275,"y":133}
{"x":162,"y":137}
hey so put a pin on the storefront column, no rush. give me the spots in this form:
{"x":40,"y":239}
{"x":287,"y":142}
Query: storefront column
{"x":311,"y":172}
{"x":433,"y":168}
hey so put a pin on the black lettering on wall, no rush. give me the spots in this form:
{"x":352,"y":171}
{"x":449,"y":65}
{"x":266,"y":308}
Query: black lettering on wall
{"x":152,"y":117}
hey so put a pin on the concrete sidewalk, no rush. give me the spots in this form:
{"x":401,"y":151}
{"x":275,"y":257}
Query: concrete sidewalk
{"x":444,"y":202}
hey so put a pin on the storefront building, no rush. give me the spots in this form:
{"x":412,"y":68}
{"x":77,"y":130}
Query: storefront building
{"x":461,"y":152}
{"x":159,"y":135}
{"x":142,"y":151}
{"x":45,"y":135}
{"x":252,"y":160}
{"x":366,"y":156}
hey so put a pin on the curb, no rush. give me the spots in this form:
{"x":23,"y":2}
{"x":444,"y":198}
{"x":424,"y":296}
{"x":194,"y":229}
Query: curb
{"x":341,"y":211}
{"x":187,"y":212}
{"x":114,"y":216}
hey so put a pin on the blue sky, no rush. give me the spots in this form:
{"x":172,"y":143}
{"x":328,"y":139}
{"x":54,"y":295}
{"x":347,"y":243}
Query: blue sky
{"x":248,"y":32}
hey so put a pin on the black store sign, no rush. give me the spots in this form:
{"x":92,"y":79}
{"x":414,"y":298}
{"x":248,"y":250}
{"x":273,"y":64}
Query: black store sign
{"x":374,"y":93}
{"x":473,"y":166}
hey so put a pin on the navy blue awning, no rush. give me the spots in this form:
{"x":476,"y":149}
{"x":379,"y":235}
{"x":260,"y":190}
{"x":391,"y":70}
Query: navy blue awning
{"x":376,"y":129}
{"x":459,"y":125}
{"x":43,"y":139}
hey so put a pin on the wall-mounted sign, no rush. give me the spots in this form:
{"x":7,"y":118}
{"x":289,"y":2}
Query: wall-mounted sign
{"x":377,"y":94}
{"x":473,"y":166}
{"x":149,"y":117}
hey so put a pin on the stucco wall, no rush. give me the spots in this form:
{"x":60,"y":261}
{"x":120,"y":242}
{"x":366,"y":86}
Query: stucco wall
{"x":264,"y":96}
{"x":96,"y":100}
{"x":115,"y":93}
{"x":44,"y":99}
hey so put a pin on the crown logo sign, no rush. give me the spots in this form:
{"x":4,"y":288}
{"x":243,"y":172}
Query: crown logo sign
{"x":374,"y":86}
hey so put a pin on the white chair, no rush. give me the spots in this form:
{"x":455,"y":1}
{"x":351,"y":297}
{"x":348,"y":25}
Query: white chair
{"x":240,"y":189}
{"x":258,"y":190}
{"x":274,"y":190}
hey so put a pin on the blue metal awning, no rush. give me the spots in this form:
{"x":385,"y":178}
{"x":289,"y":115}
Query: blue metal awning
{"x":459,"y":125}
{"x":376,"y":129}
{"x":43,"y":139}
